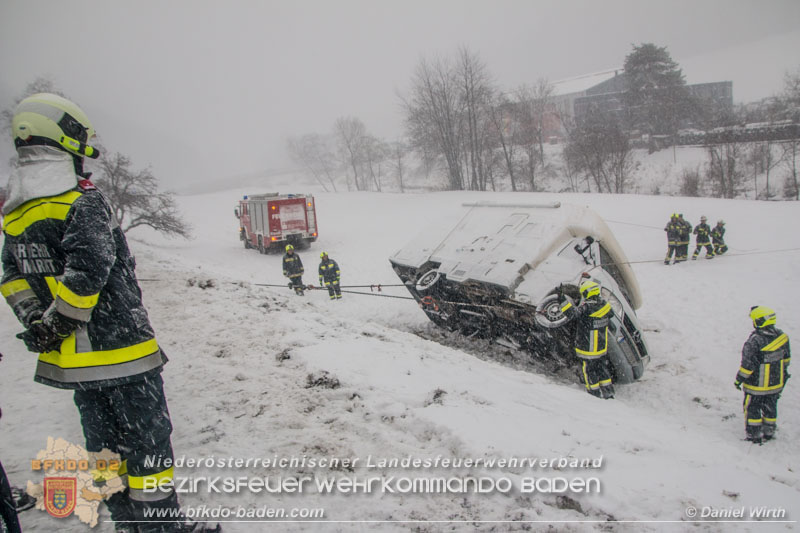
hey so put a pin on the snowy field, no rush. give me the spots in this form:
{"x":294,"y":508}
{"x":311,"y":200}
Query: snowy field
{"x":247,"y":378}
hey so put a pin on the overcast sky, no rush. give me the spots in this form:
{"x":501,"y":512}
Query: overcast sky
{"x":201,"y":89}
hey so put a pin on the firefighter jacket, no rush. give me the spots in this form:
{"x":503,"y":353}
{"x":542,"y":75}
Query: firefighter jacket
{"x":703,"y":232}
{"x":292,"y":265}
{"x":66,"y":254}
{"x":329,"y":272}
{"x":718,"y":234}
{"x":685,"y":229}
{"x":673,"y":229}
{"x":765,"y":360}
{"x":591,"y":332}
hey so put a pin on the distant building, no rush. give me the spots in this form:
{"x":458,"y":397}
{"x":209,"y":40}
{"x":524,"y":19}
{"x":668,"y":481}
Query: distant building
{"x":572,"y":98}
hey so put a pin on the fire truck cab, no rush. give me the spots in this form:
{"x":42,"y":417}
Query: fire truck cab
{"x":271,"y":221}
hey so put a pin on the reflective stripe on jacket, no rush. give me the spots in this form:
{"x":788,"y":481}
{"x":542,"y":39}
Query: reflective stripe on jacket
{"x":765,"y":358}
{"x":67,"y":252}
{"x":591,"y":333}
{"x":329,"y":271}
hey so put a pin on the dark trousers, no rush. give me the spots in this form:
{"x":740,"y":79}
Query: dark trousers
{"x":709,"y":250}
{"x":8,"y":511}
{"x":682,"y":253}
{"x":596,"y":377}
{"x":296,"y":283}
{"x":671,"y":249}
{"x":720,"y":249}
{"x":760,"y":414}
{"x":133,"y":421}
{"x":334,"y":290}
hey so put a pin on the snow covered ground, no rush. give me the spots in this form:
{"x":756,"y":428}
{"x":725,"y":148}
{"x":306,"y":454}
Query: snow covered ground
{"x":248,"y":363}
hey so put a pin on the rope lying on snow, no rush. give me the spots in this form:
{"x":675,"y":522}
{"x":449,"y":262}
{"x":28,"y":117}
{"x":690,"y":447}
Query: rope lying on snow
{"x":376,"y":289}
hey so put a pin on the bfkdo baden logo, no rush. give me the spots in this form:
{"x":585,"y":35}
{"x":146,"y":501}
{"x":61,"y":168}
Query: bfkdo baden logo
{"x":60,"y":495}
{"x":73,"y":481}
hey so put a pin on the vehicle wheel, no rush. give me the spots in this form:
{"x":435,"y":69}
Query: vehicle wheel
{"x":246,"y":241}
{"x":548,"y":312}
{"x":261,"y":248}
{"x":427,"y":280}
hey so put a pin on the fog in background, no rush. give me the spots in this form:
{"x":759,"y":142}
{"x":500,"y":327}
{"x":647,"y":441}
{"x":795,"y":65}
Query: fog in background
{"x":203,"y":90}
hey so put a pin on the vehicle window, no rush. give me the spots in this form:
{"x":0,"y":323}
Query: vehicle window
{"x":615,"y":271}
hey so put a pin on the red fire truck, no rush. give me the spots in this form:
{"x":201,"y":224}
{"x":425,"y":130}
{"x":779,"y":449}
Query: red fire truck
{"x":271,"y":221}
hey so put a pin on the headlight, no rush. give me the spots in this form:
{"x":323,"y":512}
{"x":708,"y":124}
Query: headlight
{"x":616,"y":305}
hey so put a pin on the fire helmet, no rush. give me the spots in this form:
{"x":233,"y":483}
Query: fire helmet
{"x":52,"y":120}
{"x":762,"y":316}
{"x":323,"y":255}
{"x":590,"y":289}
{"x":289,"y":247}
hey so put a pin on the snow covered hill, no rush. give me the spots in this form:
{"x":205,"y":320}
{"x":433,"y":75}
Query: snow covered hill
{"x":256,"y":371}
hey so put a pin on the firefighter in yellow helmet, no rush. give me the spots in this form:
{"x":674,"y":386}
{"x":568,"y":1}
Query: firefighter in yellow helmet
{"x":763,"y":374}
{"x":673,"y":229}
{"x":329,"y":276}
{"x":68,"y":275}
{"x":293,"y":269}
{"x":593,"y":316}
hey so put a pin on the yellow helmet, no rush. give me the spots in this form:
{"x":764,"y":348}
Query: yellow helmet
{"x":289,"y":247}
{"x":762,"y":316}
{"x":323,"y":255}
{"x":46,"y":118}
{"x":590,"y":289}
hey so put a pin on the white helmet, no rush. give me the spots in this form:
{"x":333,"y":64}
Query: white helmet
{"x":49,"y":119}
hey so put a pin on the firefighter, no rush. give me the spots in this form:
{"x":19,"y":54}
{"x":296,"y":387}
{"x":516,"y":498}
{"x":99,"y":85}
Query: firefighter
{"x":763,"y":374}
{"x":68,"y":275}
{"x":684,"y":238}
{"x":293,"y":269}
{"x":718,"y":238}
{"x":673,"y":229}
{"x":703,"y":232}
{"x":593,"y":316}
{"x":329,"y":276}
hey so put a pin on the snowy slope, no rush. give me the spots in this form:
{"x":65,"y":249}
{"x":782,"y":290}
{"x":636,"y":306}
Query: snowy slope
{"x":241,"y":356}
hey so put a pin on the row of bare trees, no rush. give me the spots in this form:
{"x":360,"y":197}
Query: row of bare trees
{"x":455,"y":114}
{"x":366,"y":161}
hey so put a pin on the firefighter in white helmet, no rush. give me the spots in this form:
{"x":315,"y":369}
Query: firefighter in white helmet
{"x":68,"y":275}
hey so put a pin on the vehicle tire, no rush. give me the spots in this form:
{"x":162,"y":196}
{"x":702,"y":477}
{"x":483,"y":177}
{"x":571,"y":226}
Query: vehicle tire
{"x":548,"y":312}
{"x":246,"y":241}
{"x":261,"y":248}
{"x":427,"y":281}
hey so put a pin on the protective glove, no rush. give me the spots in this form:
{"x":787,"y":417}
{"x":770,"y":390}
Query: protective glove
{"x":28,"y":311}
{"x":39,"y":338}
{"x":737,"y":384}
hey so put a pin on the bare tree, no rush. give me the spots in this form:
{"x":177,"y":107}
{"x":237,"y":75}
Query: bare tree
{"x":313,"y":153}
{"x":504,"y":125}
{"x":599,"y":147}
{"x":351,"y":138}
{"x":399,"y":151}
{"x":135,"y":199}
{"x":476,"y":94}
{"x":724,"y":169}
{"x":532,"y":104}
{"x":791,"y":151}
{"x":375,"y":153}
{"x":433,"y":115}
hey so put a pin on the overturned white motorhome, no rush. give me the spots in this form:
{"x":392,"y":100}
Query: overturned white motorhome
{"x":499,"y":272}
